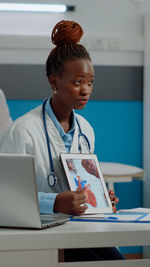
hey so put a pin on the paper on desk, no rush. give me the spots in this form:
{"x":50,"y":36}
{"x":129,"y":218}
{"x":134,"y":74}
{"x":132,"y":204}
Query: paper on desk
{"x":115,"y":217}
{"x":145,"y":218}
{"x":138,"y":210}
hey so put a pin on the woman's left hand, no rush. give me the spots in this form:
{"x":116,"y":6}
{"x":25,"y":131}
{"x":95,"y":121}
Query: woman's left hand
{"x":114,"y":200}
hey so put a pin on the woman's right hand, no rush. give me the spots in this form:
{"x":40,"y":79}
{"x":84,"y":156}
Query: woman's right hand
{"x":70,"y":202}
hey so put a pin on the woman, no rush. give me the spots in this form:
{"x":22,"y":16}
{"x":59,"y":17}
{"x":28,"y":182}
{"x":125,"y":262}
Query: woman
{"x":71,"y":74}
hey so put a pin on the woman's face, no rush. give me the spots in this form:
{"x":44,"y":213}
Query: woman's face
{"x":75,"y":84}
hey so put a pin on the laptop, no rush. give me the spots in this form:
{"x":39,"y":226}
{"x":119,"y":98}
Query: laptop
{"x":19,"y":206}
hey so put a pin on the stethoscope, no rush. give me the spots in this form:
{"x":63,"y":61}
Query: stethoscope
{"x":51,"y":178}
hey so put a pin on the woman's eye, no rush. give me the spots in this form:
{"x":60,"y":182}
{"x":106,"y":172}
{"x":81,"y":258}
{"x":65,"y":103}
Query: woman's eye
{"x":77,"y":82}
{"x":91,"y":82}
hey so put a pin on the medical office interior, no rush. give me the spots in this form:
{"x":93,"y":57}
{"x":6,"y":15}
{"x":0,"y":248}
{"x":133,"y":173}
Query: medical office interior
{"x":117,"y":35}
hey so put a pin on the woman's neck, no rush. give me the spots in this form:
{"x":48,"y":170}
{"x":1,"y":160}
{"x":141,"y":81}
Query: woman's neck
{"x":62,"y":114}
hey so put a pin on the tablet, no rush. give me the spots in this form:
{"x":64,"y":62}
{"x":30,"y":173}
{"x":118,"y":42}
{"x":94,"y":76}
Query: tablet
{"x":83,"y":173}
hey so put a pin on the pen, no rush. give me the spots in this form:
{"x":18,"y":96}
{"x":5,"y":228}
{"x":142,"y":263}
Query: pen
{"x":108,"y":218}
{"x":112,"y":218}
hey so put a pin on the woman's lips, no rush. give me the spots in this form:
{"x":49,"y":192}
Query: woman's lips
{"x":84,"y":101}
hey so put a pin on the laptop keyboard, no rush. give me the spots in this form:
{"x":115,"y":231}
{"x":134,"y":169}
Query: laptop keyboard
{"x":52,"y":220}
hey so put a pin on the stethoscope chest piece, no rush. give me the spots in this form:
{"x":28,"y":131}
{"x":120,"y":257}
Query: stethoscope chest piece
{"x":52,"y":179}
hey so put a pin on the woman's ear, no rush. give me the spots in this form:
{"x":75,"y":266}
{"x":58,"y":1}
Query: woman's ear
{"x":52,"y":81}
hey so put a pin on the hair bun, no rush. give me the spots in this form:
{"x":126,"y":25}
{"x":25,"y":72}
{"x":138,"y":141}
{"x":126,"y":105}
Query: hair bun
{"x":66,"y":32}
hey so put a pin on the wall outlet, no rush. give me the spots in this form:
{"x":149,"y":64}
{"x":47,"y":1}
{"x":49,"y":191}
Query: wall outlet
{"x":113,"y":44}
{"x":98,"y":44}
{"x":137,"y":1}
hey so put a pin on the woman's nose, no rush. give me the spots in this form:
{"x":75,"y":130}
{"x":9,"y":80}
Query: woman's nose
{"x":85,"y":90}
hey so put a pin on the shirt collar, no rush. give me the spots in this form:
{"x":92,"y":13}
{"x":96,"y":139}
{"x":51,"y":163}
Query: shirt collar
{"x":51,"y":114}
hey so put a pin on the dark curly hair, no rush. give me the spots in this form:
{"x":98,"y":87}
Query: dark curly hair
{"x":65,"y":35}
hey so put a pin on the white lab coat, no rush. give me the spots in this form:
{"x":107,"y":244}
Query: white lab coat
{"x":5,"y":119}
{"x":26,"y":136}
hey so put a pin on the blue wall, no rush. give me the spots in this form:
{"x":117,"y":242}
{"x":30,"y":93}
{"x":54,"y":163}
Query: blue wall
{"x":118,"y":130}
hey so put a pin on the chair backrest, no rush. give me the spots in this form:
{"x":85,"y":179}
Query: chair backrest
{"x":5,"y":119}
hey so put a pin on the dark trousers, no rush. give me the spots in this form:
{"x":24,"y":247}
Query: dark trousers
{"x":92,"y":254}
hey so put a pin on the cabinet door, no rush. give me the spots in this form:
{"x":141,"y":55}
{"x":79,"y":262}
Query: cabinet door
{"x":32,"y":258}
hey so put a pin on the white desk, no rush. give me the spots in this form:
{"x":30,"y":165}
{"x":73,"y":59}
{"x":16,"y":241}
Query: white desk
{"x":36,"y":248}
{"x":118,"y":173}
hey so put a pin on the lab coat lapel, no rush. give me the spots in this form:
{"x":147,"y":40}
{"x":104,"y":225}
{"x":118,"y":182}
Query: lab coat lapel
{"x":54,"y":135}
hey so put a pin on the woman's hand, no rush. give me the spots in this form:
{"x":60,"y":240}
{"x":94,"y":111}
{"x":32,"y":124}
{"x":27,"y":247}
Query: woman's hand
{"x":70,"y":202}
{"x":114,"y":200}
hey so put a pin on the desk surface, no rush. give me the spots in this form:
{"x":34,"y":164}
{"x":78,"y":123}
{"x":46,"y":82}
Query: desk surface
{"x":76,"y":234}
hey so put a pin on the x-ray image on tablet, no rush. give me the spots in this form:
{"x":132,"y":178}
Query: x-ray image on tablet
{"x":83,"y":173}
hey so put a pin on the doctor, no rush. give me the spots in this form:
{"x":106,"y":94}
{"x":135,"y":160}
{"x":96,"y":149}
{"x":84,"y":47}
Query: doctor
{"x":55,"y":128}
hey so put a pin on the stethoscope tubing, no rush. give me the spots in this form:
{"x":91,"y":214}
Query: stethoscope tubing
{"x":47,"y":137}
{"x":80,"y":135}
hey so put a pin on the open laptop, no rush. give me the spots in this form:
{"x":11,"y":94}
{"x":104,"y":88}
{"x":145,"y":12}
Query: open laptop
{"x":19,"y":206}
